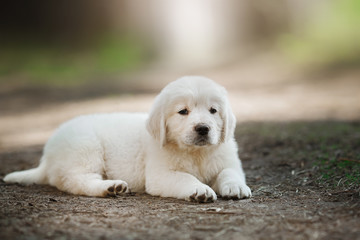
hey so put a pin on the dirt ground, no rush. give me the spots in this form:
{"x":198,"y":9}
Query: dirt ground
{"x":290,"y":199}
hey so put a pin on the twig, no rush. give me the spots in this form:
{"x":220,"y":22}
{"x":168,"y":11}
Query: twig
{"x":345,"y":191}
{"x":211,"y":212}
{"x":350,"y":160}
{"x":339,"y":182}
{"x":303,"y":171}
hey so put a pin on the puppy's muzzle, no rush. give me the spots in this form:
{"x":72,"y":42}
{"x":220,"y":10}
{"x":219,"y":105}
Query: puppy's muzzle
{"x":202,"y":129}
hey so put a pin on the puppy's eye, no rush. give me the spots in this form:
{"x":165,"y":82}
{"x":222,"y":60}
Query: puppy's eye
{"x":213,"y":110}
{"x":183,"y":112}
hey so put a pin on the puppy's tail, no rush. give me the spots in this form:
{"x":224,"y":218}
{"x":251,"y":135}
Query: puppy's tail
{"x":35,"y":175}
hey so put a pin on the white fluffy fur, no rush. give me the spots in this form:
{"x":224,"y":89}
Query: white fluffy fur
{"x":160,"y":153}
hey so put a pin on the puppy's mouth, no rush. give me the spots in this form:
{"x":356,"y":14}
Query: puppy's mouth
{"x":201,"y":141}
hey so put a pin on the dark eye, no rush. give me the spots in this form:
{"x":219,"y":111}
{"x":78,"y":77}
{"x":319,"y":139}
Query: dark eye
{"x":213,"y":110}
{"x":183,"y":112}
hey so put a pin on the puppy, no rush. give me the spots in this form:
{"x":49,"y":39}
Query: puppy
{"x":184,"y":149}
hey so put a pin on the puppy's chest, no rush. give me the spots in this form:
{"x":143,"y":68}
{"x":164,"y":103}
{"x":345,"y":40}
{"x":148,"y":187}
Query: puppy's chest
{"x":203,"y":170}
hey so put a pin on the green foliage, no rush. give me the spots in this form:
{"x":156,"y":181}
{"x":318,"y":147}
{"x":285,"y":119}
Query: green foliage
{"x":338,"y":170}
{"x":331,"y":37}
{"x":114,"y":55}
{"x":56,"y":65}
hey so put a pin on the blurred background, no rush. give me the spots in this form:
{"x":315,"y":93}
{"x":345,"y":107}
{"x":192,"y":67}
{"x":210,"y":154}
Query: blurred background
{"x":283,"y":60}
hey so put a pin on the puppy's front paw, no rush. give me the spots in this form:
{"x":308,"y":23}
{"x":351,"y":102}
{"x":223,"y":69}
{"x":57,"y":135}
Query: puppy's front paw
{"x":235,"y":191}
{"x":116,"y":187}
{"x":202,"y":193}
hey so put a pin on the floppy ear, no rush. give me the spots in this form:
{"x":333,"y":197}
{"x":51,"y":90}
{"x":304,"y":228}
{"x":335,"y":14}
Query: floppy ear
{"x":229,"y":123}
{"x":155,"y":124}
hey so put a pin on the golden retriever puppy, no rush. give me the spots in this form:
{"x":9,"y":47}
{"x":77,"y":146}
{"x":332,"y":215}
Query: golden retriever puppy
{"x":185,"y":149}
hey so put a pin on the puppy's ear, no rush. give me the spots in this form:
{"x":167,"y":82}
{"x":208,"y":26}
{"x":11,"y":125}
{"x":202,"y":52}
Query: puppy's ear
{"x":229,"y":123}
{"x":155,"y":124}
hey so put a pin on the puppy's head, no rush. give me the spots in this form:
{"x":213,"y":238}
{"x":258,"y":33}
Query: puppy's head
{"x":192,"y":112}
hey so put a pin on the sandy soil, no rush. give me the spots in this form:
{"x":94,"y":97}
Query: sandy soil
{"x":30,"y":115}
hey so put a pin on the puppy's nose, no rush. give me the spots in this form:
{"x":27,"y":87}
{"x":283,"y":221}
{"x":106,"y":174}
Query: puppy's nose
{"x":202,"y":129}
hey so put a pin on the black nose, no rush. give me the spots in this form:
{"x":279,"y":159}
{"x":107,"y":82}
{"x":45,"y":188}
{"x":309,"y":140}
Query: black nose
{"x":202,"y":129}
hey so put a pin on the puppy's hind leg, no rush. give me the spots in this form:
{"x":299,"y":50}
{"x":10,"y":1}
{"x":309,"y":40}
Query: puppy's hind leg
{"x":92,"y":184}
{"x":76,"y":165}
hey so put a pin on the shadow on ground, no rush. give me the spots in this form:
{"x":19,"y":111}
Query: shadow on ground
{"x":304,"y":177}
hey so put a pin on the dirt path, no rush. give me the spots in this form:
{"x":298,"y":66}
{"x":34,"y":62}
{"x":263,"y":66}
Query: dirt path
{"x":289,"y":201}
{"x":28,"y":120}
